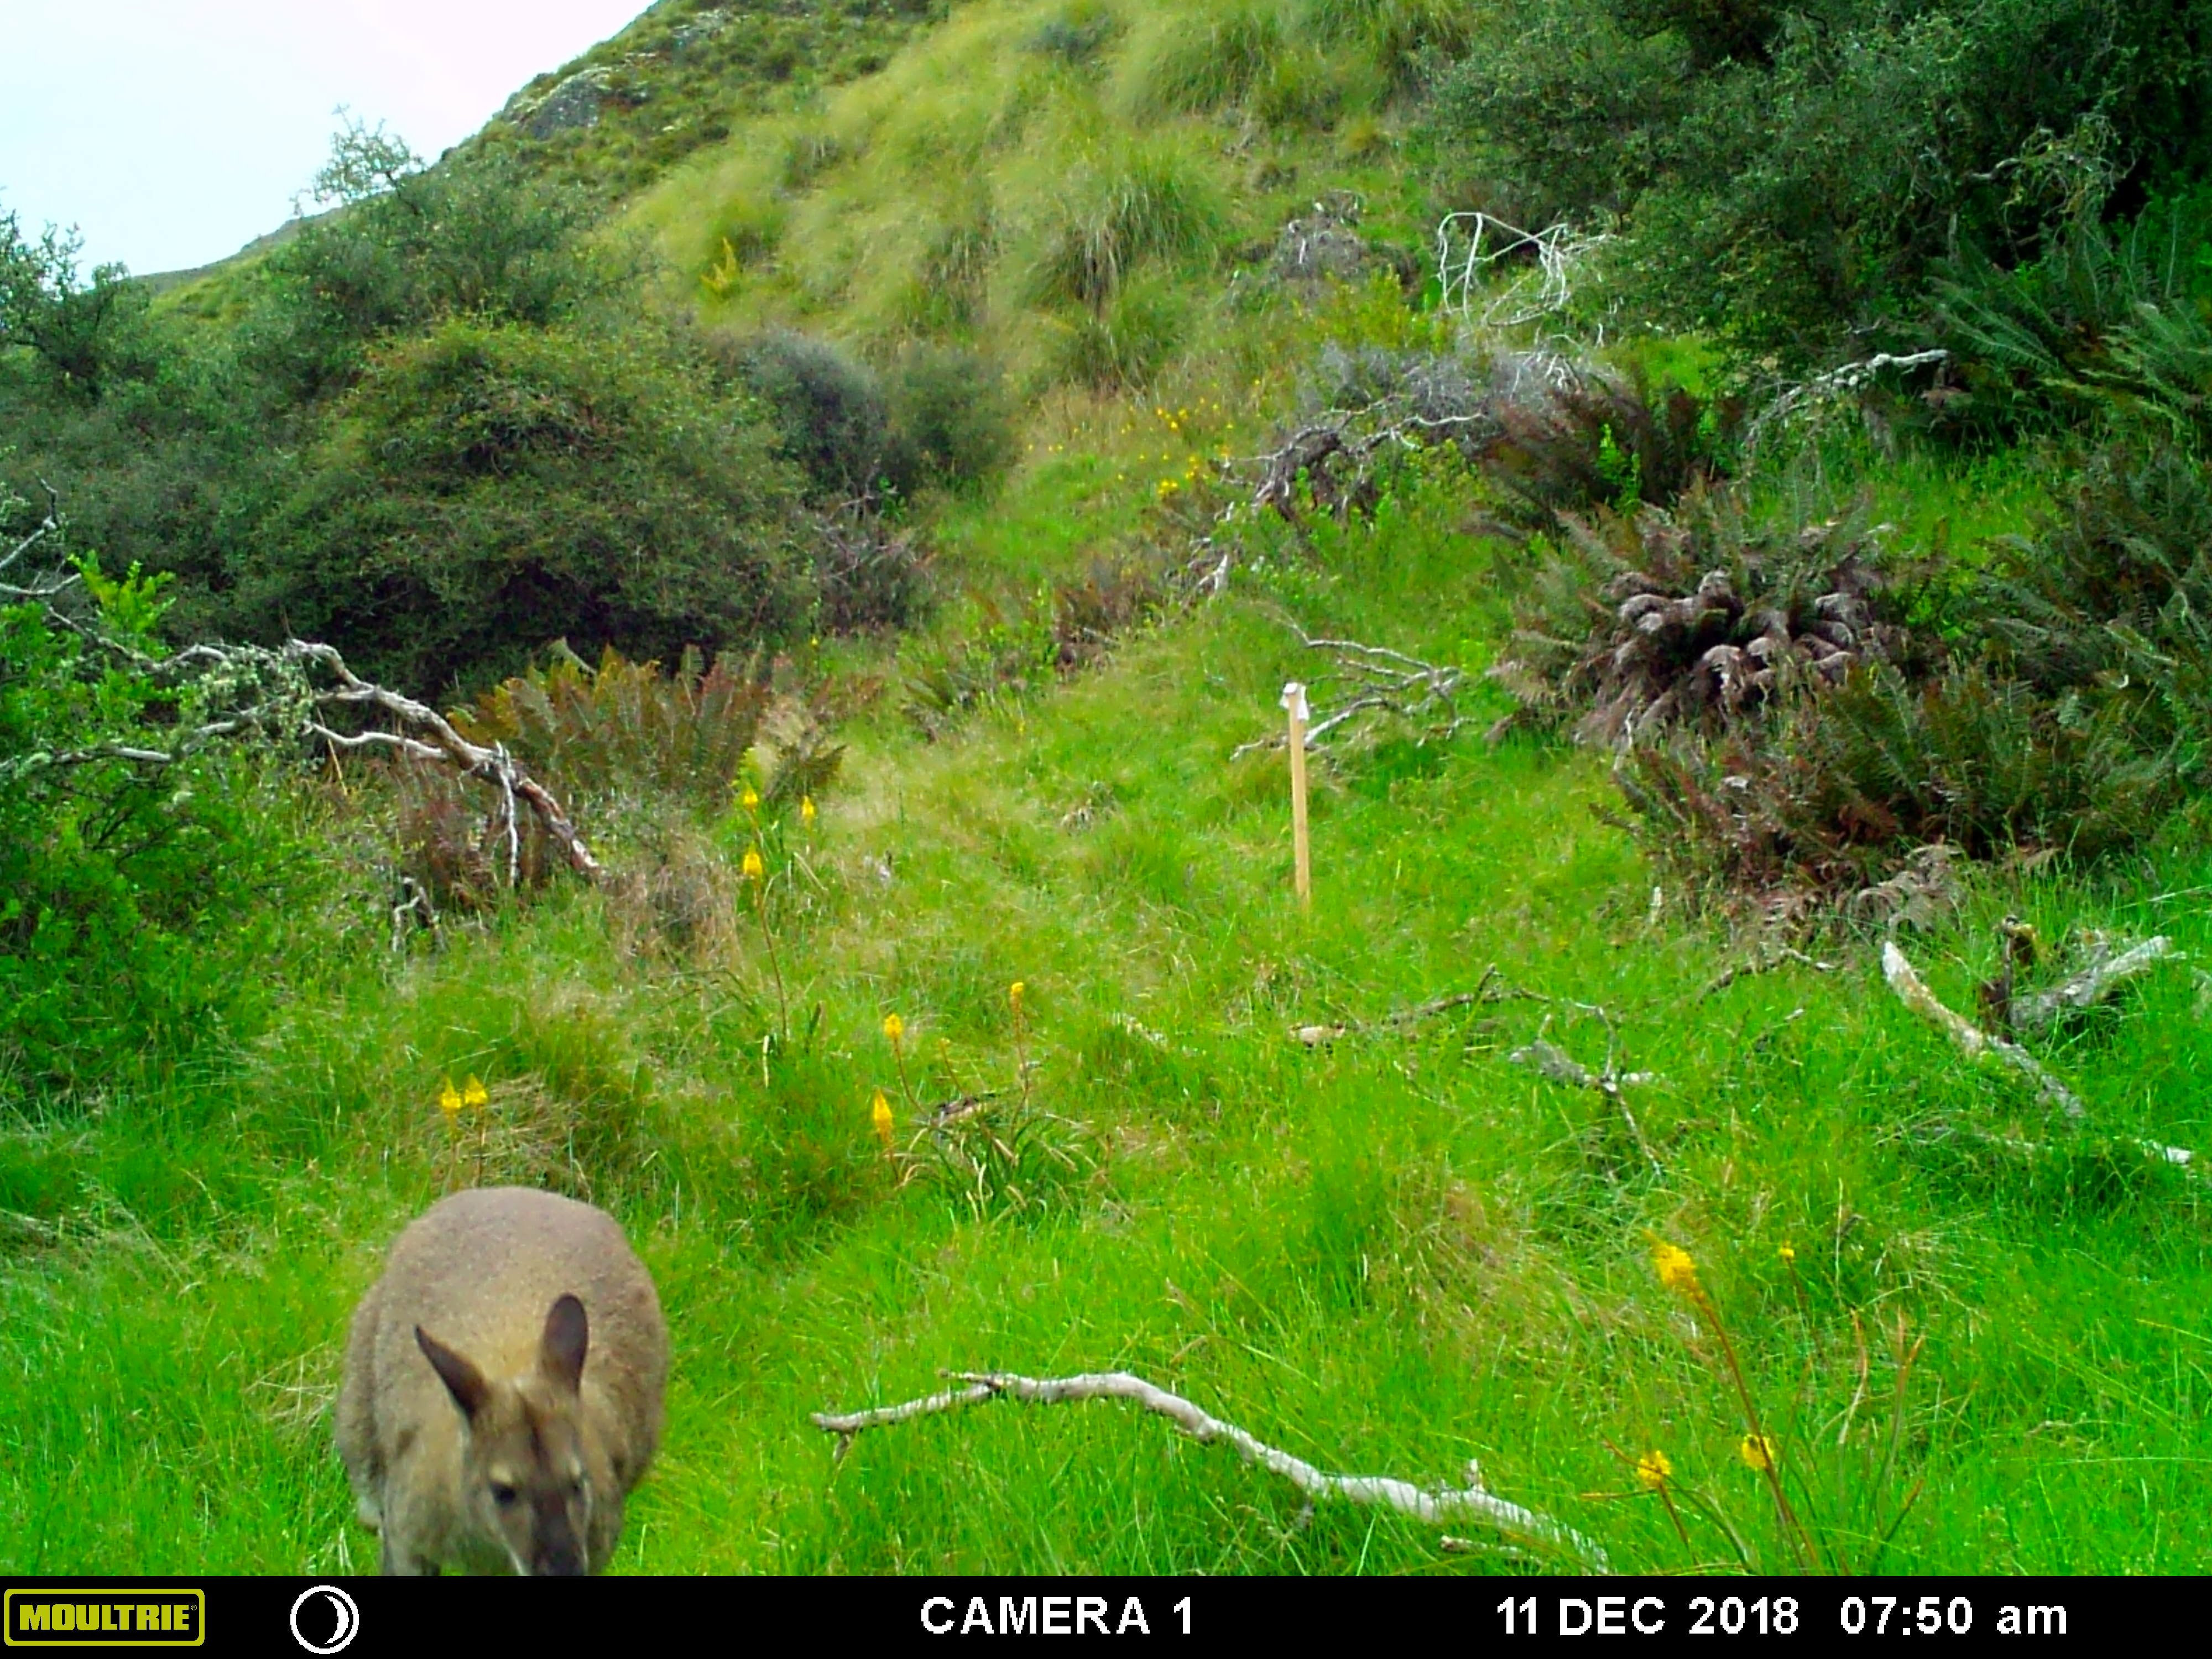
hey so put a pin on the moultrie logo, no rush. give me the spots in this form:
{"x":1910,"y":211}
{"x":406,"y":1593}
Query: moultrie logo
{"x":134,"y":1618}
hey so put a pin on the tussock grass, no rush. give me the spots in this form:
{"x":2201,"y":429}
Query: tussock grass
{"x":1192,"y":60}
{"x":1001,"y":179}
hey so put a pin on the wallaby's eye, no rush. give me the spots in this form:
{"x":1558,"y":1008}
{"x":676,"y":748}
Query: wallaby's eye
{"x":502,"y":1494}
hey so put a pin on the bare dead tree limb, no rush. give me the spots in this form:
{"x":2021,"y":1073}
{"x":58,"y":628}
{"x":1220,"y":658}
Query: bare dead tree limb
{"x":1474,"y":1500}
{"x":1314,"y":1035}
{"x":2104,"y":974}
{"x":1972,"y":1041}
{"x":415,"y":900}
{"x":1846,"y":382}
{"x":1763,"y":960}
{"x":493,"y":766}
{"x":1549,"y":1060}
{"x":1379,"y":681}
{"x":1978,"y":1045}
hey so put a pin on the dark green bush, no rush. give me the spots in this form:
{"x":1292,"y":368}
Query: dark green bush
{"x":479,"y":235}
{"x":951,"y":423}
{"x":829,"y":410}
{"x":488,"y":487}
{"x":84,"y":333}
{"x":1786,"y":174}
{"x":2104,"y":312}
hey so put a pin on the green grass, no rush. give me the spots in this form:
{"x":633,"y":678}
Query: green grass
{"x":1003,"y":179}
{"x":1391,"y":1254}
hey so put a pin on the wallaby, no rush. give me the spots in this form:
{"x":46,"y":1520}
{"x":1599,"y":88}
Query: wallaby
{"x":503,"y":1389}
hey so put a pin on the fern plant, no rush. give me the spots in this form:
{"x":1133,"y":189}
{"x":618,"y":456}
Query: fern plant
{"x":1635,"y":622}
{"x":1601,"y":441}
{"x":626,"y":729}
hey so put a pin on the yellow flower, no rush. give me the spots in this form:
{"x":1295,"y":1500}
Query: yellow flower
{"x":1674,"y":1266}
{"x":753,"y":868}
{"x":1654,"y":1469}
{"x":449,"y":1098}
{"x":751,"y":799}
{"x":806,"y":814}
{"x":894,"y":1027}
{"x":473,"y":1093}
{"x":880,"y":1115}
{"x":1757,"y":1452}
{"x":1014,"y":994}
{"x":1788,"y":1254}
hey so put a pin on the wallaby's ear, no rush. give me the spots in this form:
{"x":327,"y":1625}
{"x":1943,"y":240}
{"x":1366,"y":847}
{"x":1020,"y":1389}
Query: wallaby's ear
{"x":561,"y":1350}
{"x":462,"y":1379}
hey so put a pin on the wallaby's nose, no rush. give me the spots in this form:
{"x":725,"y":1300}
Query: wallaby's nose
{"x":562,"y":1560}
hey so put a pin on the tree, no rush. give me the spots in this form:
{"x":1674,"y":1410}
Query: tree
{"x":83,"y":332}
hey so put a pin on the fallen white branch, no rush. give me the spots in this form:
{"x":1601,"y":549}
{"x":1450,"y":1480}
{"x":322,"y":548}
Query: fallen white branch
{"x":2092,"y":984}
{"x":1473,"y":1500}
{"x":1973,"y":1042}
{"x":1978,"y":1045}
{"x":1836,"y":383}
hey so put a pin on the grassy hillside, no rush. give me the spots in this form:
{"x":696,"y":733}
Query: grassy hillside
{"x":1394,"y":1252}
{"x":1305,"y":1166}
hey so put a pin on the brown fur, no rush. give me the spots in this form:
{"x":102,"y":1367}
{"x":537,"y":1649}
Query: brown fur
{"x":503,"y":1384}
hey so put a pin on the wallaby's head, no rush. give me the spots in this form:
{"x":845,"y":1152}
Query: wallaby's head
{"x":524,"y":1478}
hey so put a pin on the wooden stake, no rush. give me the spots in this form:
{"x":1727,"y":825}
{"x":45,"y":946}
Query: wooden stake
{"x":1294,"y":699}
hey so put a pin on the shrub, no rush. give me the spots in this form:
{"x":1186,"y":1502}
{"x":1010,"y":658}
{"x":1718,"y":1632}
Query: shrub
{"x":950,"y":423}
{"x":2109,"y":604}
{"x":486,"y":488}
{"x":1787,"y":181}
{"x":868,"y":574}
{"x":829,"y":410}
{"x":1635,"y":624}
{"x":628,"y":730}
{"x":85,"y":333}
{"x":2060,"y":699}
{"x":1601,"y":441}
{"x":1077,"y":34}
{"x":2045,"y":341}
{"x":141,"y":900}
{"x":479,"y":235}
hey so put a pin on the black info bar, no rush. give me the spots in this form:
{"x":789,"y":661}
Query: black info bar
{"x":378,"y":1616}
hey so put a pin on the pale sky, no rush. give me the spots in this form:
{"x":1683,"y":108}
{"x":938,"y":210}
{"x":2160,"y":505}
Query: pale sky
{"x":172,"y":132}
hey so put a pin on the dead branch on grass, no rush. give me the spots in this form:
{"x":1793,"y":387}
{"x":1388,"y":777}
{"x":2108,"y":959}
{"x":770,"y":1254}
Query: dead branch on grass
{"x":2098,"y":978}
{"x":1474,"y":1500}
{"x":1381,"y":682}
{"x":1973,"y":1042}
{"x":1549,"y":1060}
{"x":1314,"y":1035}
{"x":1763,"y":960}
{"x":1978,"y":1045}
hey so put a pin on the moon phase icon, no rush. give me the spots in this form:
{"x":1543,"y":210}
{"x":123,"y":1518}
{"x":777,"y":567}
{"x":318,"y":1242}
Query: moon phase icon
{"x":341,"y":1608}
